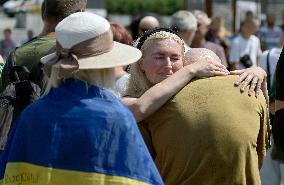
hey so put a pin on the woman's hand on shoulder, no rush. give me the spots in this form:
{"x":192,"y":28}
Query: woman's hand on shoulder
{"x":253,"y":77}
{"x":203,"y":62}
{"x":207,"y":69}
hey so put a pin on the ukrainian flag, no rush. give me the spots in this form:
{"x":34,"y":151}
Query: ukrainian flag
{"x":76,"y":146}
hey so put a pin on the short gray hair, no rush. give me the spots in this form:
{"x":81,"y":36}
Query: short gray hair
{"x":183,"y":21}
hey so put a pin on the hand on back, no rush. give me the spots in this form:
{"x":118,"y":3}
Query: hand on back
{"x":204,"y":63}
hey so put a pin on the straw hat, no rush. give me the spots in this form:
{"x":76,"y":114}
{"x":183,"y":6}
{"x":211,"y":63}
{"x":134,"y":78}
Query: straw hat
{"x":85,"y":41}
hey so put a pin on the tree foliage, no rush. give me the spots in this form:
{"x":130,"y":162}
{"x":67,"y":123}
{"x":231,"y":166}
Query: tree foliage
{"x":133,"y":7}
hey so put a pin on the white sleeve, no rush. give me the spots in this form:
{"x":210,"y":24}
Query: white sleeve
{"x":234,"y":52}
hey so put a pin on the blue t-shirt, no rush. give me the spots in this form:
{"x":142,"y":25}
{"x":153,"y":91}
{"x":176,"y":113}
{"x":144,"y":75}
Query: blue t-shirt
{"x":270,"y":37}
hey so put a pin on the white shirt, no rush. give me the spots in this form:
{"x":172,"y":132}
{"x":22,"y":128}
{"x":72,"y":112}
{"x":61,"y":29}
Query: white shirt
{"x":273,"y":59}
{"x":241,"y":46}
{"x":121,"y":85}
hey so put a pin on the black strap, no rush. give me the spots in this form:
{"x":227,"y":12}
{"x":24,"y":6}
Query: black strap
{"x":26,"y":74}
{"x":268,"y":70}
{"x":278,"y":129}
{"x":36,"y":73}
{"x":280,"y":77}
{"x":15,"y":71}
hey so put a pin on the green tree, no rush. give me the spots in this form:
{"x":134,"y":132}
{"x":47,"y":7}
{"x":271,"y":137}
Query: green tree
{"x":163,"y":7}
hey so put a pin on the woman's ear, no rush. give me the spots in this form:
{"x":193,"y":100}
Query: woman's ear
{"x":141,"y":64}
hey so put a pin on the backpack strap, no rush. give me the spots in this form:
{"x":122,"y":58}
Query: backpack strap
{"x":36,"y":72}
{"x":9,"y":64}
{"x":15,"y":71}
{"x":37,"y":75}
{"x":268,"y":70}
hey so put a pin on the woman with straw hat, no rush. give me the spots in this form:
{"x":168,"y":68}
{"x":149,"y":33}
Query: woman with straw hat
{"x":79,"y":133}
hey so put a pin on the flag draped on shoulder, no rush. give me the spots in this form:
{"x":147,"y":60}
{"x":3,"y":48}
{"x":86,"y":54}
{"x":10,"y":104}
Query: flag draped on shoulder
{"x":77,"y":136}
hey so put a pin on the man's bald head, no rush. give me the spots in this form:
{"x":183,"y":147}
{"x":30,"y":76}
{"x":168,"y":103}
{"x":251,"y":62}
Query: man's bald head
{"x":148,"y":23}
{"x":200,"y":54}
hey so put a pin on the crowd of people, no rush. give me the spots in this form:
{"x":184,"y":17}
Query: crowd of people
{"x":8,"y":44}
{"x":91,"y":102}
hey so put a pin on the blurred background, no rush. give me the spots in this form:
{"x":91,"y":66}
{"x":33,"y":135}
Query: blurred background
{"x":24,"y":15}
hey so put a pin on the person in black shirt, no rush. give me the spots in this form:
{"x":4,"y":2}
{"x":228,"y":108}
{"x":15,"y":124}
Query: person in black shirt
{"x":278,"y":125}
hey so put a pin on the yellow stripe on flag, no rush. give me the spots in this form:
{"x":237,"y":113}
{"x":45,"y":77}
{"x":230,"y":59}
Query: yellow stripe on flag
{"x":28,"y":174}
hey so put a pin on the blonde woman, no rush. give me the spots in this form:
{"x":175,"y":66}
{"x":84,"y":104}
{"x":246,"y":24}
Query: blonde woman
{"x":146,"y":95}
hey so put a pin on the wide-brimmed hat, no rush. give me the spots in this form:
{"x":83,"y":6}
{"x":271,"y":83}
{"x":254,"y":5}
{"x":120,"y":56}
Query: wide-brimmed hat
{"x":85,"y":41}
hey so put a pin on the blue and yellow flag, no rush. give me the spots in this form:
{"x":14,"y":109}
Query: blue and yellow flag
{"x":77,"y":135}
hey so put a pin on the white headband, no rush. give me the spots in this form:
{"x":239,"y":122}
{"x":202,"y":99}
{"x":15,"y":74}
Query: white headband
{"x":162,"y":35}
